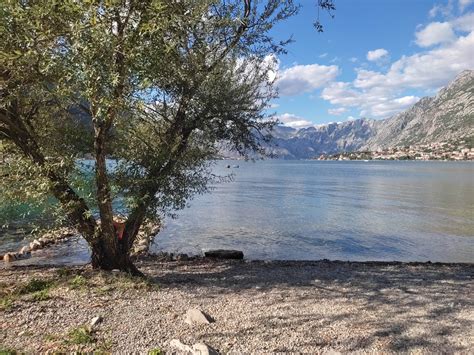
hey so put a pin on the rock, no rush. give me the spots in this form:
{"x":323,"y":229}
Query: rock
{"x":143,"y":241}
{"x":141,"y":249}
{"x":19,"y":256}
{"x":8,"y":258}
{"x":224,"y":254}
{"x":25,"y":250}
{"x":204,"y":349}
{"x":182,"y":348}
{"x":196,"y":316}
{"x":182,"y":257}
{"x":96,"y":320}
{"x":196,"y":349}
{"x":35,"y":245}
{"x":163,"y":256}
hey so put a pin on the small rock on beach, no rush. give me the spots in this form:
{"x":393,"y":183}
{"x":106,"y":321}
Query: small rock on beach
{"x":196,"y":316}
{"x":224,"y":254}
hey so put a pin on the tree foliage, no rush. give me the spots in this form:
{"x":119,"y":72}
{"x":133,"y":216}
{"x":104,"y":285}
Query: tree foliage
{"x":153,"y":84}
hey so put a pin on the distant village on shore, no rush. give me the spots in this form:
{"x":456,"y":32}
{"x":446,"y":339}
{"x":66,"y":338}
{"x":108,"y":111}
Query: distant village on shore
{"x":462,"y":150}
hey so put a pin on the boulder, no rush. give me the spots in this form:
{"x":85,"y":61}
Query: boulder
{"x":204,"y":349}
{"x":141,"y":249}
{"x":224,"y":254}
{"x":35,"y":245}
{"x":182,"y":348}
{"x":196,"y":349}
{"x":196,"y":316}
{"x":96,"y":320}
{"x":182,"y":257}
{"x":164,"y":256}
{"x":8,"y":257}
{"x":143,"y":241}
{"x":25,"y":250}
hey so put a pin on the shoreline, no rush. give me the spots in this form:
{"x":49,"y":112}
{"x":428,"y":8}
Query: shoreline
{"x":258,"y":307}
{"x":166,"y":257}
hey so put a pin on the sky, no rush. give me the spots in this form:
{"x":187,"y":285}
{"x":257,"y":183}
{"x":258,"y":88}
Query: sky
{"x":375,"y":58}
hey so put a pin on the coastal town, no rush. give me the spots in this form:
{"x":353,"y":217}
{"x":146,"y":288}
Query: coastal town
{"x":462,"y":150}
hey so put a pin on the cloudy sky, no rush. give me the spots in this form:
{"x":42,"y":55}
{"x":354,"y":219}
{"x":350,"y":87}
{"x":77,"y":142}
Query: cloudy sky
{"x":375,"y":58}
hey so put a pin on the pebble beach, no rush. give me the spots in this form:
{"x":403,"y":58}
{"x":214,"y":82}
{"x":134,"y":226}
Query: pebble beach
{"x":259,"y":307}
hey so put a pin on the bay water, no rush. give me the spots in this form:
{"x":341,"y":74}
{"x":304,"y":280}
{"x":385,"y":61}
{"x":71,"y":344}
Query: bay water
{"x":311,"y":210}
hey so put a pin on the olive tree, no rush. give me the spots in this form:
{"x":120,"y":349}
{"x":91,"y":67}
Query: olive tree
{"x":148,"y":87}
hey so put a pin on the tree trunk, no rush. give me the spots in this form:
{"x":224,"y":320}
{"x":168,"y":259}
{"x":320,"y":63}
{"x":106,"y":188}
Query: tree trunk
{"x":107,"y":257}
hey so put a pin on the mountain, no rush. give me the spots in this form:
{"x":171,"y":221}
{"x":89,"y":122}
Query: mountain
{"x":447,"y":116}
{"x":334,"y":137}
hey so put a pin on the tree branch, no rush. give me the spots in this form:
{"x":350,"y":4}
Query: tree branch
{"x":238,"y":34}
{"x":76,"y":208}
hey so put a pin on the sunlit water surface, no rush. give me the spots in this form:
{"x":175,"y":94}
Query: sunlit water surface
{"x":309,"y":210}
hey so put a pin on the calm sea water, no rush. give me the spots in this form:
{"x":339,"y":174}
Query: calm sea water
{"x":408,"y":211}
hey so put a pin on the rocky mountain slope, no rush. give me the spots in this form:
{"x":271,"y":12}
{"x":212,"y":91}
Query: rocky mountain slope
{"x":447,"y":116}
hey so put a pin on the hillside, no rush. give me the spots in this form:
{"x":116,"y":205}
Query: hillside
{"x":447,"y":116}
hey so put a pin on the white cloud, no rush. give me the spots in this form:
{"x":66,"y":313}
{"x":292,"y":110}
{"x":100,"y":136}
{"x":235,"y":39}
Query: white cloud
{"x":305,"y":78}
{"x":434,"y":11}
{"x":435,"y":33}
{"x":376,"y":102}
{"x":353,"y":59}
{"x":337,"y":111}
{"x":293,"y":121}
{"x":464,"y":3}
{"x":391,"y":107}
{"x":380,"y":94}
{"x":447,"y":10}
{"x":443,"y":10}
{"x":425,"y":70}
{"x":377,"y":54}
{"x":323,"y":55}
{"x":464,"y":23}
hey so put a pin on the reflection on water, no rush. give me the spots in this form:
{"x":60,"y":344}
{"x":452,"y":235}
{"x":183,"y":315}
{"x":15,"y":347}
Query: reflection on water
{"x":336,"y":210}
{"x":408,"y":211}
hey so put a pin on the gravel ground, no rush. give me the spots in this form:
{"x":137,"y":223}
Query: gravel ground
{"x":258,"y":307}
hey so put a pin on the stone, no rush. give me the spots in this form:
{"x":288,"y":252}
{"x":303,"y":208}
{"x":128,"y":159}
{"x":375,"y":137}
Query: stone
{"x":182,"y":257}
{"x":204,"y":349}
{"x":224,"y":254}
{"x":141,"y":249}
{"x":182,"y":348}
{"x":143,"y":241}
{"x":96,"y":320}
{"x":164,"y":256}
{"x":25,"y":250}
{"x":8,"y":258}
{"x":35,"y":245}
{"x":196,"y":316}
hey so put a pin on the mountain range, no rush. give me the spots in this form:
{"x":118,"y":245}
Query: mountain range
{"x":447,"y":116}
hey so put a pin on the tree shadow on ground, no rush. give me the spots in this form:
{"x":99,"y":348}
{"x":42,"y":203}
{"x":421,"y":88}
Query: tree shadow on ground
{"x":320,"y":305}
{"x":399,"y":307}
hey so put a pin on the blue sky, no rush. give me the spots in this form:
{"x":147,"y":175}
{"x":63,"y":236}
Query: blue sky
{"x":375,"y":58}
